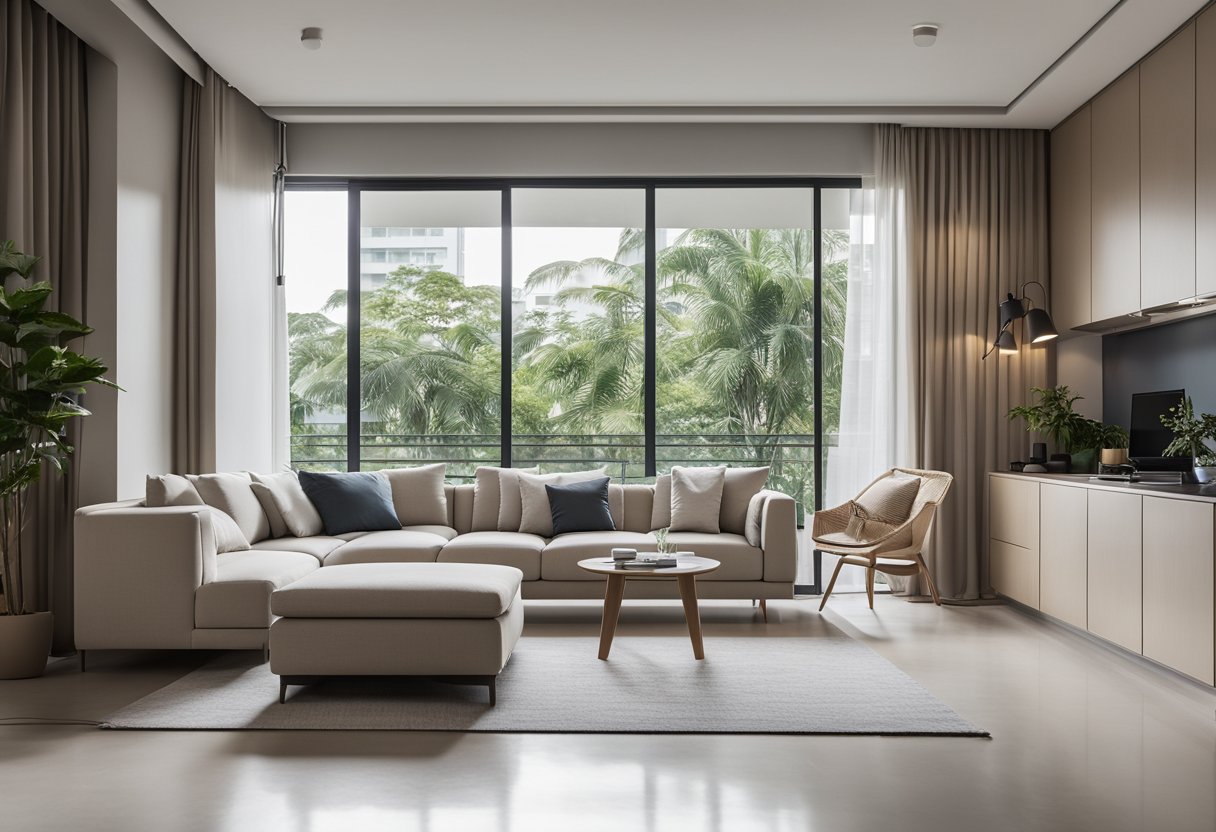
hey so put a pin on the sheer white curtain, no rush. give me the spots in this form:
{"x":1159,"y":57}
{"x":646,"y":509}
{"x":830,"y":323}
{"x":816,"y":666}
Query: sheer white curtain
{"x":875,"y":412}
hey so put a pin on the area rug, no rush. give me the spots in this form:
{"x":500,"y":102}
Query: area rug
{"x":828,"y":684}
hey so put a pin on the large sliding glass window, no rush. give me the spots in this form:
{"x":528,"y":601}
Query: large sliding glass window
{"x":577,"y":296}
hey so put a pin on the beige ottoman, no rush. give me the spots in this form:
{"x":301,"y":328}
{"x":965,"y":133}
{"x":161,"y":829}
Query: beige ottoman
{"x":455,"y":621}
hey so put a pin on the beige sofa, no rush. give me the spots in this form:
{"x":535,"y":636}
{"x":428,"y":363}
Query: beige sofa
{"x":150,"y":578}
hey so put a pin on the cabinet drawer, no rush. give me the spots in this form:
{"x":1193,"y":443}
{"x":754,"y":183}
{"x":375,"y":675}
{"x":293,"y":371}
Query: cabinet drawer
{"x":1014,"y":572}
{"x":1013,"y":511}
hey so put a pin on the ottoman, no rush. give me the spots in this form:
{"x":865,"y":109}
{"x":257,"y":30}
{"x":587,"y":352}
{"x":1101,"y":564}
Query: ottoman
{"x":455,"y":621}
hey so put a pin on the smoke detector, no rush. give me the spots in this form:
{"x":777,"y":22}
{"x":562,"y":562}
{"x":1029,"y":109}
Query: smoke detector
{"x":310,"y":38}
{"x":924,"y":34}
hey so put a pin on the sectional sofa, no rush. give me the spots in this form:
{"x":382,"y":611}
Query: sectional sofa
{"x":153,"y":577}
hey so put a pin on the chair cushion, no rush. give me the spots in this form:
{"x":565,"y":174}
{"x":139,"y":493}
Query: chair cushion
{"x":740,"y":485}
{"x":299,"y":516}
{"x":580,"y":507}
{"x":401,"y":590}
{"x":239,"y":597}
{"x":504,"y":548}
{"x":351,"y":502}
{"x":396,"y":546}
{"x":559,"y":560}
{"x":740,"y":560}
{"x":319,"y":546}
{"x":231,"y":494}
{"x":890,"y":499}
{"x":696,"y":498}
{"x":418,"y":494}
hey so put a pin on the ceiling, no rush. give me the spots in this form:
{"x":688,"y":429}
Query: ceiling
{"x":1022,"y":63}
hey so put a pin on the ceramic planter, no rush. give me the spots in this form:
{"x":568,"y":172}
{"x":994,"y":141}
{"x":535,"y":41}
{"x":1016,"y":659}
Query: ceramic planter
{"x":1204,"y":473}
{"x":25,"y":643}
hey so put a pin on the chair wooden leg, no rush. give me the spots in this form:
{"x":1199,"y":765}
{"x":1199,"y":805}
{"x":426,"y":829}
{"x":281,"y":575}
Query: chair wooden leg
{"x":924,"y":570}
{"x":831,"y":584}
{"x":870,"y":585}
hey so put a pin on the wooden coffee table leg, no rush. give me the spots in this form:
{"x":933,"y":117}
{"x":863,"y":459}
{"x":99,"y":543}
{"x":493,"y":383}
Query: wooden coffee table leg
{"x":688,"y":594}
{"x":612,"y":612}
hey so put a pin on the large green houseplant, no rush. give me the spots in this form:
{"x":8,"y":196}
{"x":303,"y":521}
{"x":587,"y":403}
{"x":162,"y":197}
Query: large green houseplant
{"x":1191,"y":436}
{"x":1052,"y":415}
{"x":40,"y":385}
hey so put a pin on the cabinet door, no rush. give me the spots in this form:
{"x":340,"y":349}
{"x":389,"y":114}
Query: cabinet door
{"x":1167,"y":171}
{"x":1014,"y":572}
{"x":1063,"y":547}
{"x":1013,"y":511}
{"x":1114,"y":571}
{"x":1178,"y":585}
{"x":1070,"y":221}
{"x":1116,"y":199}
{"x":1205,"y":152}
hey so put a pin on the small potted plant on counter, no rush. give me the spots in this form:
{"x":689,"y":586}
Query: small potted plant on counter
{"x":1191,"y":436}
{"x":1052,"y":415}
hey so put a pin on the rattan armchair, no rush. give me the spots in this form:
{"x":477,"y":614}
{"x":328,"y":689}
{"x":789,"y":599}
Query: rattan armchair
{"x":896,"y":552}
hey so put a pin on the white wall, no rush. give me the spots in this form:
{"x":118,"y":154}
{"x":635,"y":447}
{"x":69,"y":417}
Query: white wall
{"x":134,"y":123}
{"x":1079,"y":366}
{"x":581,"y":149}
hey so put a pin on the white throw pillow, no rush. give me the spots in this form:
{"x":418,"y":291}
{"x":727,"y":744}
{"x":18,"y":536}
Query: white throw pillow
{"x":536,"y":515}
{"x":755,"y":516}
{"x":297,"y":513}
{"x":418,"y":494}
{"x":510,"y":506}
{"x":696,"y":499}
{"x":173,"y":490}
{"x":277,"y":527}
{"x":231,"y":494}
{"x":660,"y":512}
{"x":228,"y":535}
{"x":740,"y":486}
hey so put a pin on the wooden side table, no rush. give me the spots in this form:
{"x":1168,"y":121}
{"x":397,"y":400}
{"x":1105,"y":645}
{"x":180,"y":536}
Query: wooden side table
{"x":684,"y":574}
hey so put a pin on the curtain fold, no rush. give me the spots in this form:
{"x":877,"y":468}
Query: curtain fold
{"x":188,"y":383}
{"x":966,"y":215}
{"x":43,"y":209}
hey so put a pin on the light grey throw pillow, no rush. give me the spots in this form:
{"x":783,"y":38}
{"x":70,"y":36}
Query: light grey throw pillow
{"x":231,"y":494}
{"x":737,"y":491}
{"x":418,"y":494}
{"x":282,"y":494}
{"x":536,"y":515}
{"x":487,"y":497}
{"x":696,"y":499}
{"x":174,"y":490}
{"x":277,"y":527}
{"x":510,"y":505}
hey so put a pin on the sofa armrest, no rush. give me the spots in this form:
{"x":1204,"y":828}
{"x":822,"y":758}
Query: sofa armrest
{"x":779,"y":537}
{"x":136,"y":570}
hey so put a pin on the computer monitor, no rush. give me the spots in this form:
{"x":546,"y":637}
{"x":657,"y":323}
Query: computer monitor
{"x":1148,"y":437}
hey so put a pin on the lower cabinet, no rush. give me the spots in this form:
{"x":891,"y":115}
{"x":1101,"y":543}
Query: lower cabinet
{"x":1014,"y":572}
{"x":1115,"y":569}
{"x":1179,"y":626}
{"x":1063,"y":552}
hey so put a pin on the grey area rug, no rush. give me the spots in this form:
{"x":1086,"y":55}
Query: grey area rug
{"x":778,"y":685}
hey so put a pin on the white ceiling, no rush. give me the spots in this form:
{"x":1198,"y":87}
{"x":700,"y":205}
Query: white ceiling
{"x":842,"y":60}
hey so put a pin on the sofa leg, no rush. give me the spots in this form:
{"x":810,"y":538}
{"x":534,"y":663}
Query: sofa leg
{"x":82,"y":661}
{"x":764,"y":609}
{"x":282,"y":691}
{"x":266,"y":654}
{"x":493,"y":686}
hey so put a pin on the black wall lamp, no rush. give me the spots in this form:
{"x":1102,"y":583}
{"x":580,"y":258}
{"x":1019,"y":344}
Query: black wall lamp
{"x":1039,"y":326}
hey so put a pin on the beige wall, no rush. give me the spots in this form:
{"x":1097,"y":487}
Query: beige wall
{"x":134,"y":112}
{"x":581,"y":149}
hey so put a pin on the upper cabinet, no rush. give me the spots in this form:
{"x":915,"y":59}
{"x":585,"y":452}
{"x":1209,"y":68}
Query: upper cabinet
{"x":1070,"y":221}
{"x":1205,"y":152}
{"x":1167,"y":172}
{"x":1116,"y":199}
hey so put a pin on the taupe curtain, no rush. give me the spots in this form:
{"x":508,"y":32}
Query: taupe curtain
{"x":43,"y":205}
{"x":976,"y":228}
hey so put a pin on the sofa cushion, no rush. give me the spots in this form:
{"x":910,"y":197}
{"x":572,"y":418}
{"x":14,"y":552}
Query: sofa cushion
{"x":418,"y":494}
{"x":239,"y":597}
{"x":740,"y":560}
{"x":352,"y":502}
{"x":696,"y":498}
{"x":536,"y":515}
{"x":446,"y":532}
{"x":506,"y":548}
{"x":580,"y":507}
{"x":397,"y":546}
{"x":401,"y":590}
{"x":287,"y":496}
{"x":162,"y":490}
{"x":319,"y":546}
{"x":277,"y":527}
{"x":740,"y":485}
{"x":559,"y":560}
{"x":231,"y":494}
{"x":637,"y":507}
{"x":487,"y":491}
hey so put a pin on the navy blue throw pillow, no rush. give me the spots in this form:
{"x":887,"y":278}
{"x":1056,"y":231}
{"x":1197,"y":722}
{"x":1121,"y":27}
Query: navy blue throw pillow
{"x":355,"y":502}
{"x":580,"y":507}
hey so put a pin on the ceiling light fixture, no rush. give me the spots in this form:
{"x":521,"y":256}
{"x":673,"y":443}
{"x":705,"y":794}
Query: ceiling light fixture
{"x":310,"y":38}
{"x":924,"y":34}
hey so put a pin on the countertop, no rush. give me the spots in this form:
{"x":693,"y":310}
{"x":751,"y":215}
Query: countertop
{"x":1202,"y":493}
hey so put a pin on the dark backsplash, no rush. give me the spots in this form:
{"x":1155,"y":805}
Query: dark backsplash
{"x":1166,"y":357}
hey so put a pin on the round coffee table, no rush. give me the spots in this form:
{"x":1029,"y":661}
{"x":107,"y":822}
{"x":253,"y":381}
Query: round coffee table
{"x":685,"y":575}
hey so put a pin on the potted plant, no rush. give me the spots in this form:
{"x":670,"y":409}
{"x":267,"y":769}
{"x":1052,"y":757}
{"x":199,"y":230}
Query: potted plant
{"x":1052,"y":414}
{"x":40,"y":385}
{"x":1191,"y":435}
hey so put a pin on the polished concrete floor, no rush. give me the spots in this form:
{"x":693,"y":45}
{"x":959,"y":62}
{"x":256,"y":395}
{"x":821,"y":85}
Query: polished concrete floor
{"x":1083,"y":738}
